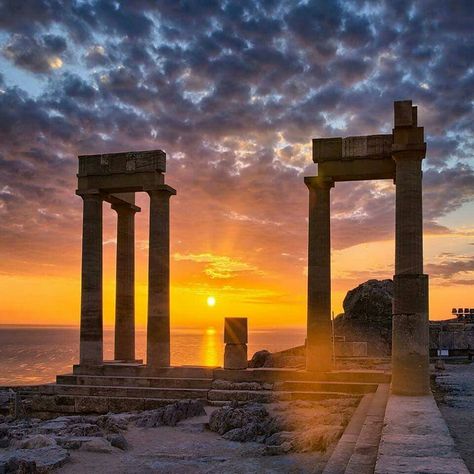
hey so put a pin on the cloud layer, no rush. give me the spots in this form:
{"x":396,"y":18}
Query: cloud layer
{"x":233,"y":91}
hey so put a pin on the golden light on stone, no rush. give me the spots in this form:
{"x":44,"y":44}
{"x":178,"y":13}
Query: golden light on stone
{"x":211,"y":301}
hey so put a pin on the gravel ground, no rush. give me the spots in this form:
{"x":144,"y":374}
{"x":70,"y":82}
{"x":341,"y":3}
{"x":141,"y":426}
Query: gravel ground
{"x":454,"y":392}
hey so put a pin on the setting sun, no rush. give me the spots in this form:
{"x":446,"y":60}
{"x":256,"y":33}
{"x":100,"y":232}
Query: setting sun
{"x":211,"y":301}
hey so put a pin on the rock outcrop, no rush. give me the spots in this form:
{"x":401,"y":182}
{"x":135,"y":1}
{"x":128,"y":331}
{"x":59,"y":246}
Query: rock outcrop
{"x":294,"y":426}
{"x":368,"y":316}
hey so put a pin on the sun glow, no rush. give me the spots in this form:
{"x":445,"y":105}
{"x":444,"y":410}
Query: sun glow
{"x":211,"y":301}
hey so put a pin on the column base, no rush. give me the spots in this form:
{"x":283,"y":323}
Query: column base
{"x":319,"y":358}
{"x":159,"y":356}
{"x":91,"y":353}
{"x":410,"y":355}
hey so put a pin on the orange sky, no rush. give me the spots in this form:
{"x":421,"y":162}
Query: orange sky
{"x":266,"y":283}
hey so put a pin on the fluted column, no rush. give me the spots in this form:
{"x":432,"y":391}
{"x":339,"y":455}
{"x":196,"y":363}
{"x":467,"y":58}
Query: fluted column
{"x":318,"y":343}
{"x":125,"y":283}
{"x":91,"y":342}
{"x":158,"y":330}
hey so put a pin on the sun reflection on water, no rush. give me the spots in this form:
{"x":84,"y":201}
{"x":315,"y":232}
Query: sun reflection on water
{"x":210,"y":348}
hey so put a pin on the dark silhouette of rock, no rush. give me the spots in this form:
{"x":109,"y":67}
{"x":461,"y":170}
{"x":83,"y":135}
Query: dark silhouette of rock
{"x":368,"y":316}
{"x":259,"y":359}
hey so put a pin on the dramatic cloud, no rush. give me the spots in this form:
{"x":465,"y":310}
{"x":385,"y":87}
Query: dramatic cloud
{"x":233,"y":91}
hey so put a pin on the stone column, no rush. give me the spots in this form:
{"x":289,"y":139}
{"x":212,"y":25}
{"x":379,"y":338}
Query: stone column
{"x":91,"y":352}
{"x":410,"y":337}
{"x":318,"y":342}
{"x":158,"y":330}
{"x":125,"y":283}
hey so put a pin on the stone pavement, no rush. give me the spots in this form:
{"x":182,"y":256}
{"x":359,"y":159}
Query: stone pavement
{"x":416,"y":439}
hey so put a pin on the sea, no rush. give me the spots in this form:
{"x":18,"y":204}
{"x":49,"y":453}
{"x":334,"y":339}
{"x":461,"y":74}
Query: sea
{"x":36,"y":354}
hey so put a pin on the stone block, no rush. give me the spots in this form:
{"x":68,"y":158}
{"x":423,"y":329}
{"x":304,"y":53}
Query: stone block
{"x":403,"y":113}
{"x":326,"y":149}
{"x":235,"y":331}
{"x":91,"y":405}
{"x":128,"y":162}
{"x":235,"y":356}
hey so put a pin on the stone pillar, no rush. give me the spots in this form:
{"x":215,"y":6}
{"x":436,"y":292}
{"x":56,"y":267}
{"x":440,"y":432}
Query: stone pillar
{"x":235,"y":339}
{"x":318,"y":342}
{"x":410,"y":337}
{"x":91,"y":352}
{"x":158,"y":330}
{"x":125,"y":283}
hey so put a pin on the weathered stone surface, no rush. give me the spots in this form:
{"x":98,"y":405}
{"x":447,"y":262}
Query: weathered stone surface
{"x":97,"y":445}
{"x":235,"y":356}
{"x":234,"y":417}
{"x":37,"y":460}
{"x":171,"y":414}
{"x":368,"y":316}
{"x":118,"y":440}
{"x":228,"y":385}
{"x":259,"y":358}
{"x":36,"y":441}
{"x":281,"y":433}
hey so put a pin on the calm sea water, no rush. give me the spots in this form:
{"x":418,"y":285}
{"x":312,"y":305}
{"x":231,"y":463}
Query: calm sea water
{"x":30,"y":355}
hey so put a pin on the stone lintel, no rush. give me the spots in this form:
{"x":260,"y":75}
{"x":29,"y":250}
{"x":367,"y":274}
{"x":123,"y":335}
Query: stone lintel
{"x":358,"y":170}
{"x":125,"y":162}
{"x":352,"y":148}
{"x":121,"y":182}
{"x":319,"y":181}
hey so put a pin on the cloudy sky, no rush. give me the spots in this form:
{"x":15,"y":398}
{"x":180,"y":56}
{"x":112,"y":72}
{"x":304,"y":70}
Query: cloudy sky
{"x":233,"y":91}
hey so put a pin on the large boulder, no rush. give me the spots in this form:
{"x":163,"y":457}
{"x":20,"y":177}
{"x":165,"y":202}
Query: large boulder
{"x":371,"y":301}
{"x":368,"y":316}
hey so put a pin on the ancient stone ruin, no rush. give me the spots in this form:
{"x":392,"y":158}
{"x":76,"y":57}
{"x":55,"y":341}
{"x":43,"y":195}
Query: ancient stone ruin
{"x":115,"y":178}
{"x":396,"y":156}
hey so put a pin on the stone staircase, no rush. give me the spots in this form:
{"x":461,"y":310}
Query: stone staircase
{"x":122,"y":387}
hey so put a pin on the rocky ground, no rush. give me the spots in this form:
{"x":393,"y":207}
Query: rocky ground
{"x":186,"y":437}
{"x":454,"y":392}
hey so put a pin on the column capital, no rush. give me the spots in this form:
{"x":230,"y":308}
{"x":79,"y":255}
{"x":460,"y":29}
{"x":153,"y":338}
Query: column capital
{"x":161,"y":189}
{"x":404,"y":152}
{"x":94,"y":194}
{"x":319,"y":182}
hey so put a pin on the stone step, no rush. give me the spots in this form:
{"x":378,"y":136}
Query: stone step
{"x":342,"y":453}
{"x":355,"y":388}
{"x":270,"y":396}
{"x":127,"y":392}
{"x":151,"y":382}
{"x":364,"y":456}
{"x":271,"y":375}
{"x":70,"y":404}
{"x":139,"y":370}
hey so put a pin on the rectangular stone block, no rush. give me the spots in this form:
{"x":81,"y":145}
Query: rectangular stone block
{"x":403,"y":113}
{"x":353,"y":147}
{"x":127,"y":162}
{"x":235,"y":331}
{"x":326,"y":149}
